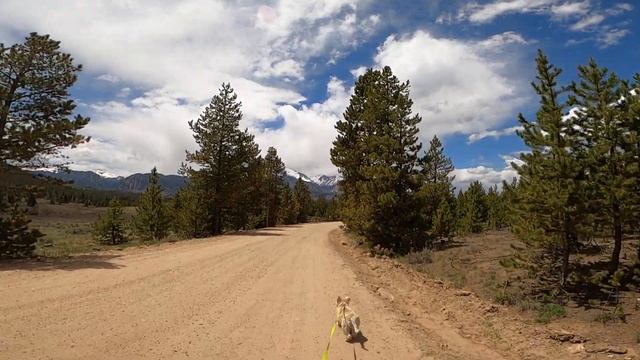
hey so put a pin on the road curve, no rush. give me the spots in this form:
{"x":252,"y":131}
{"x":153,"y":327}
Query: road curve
{"x":268,"y":294}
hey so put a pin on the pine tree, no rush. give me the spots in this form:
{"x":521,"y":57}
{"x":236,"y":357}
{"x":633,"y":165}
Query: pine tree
{"x":16,"y":239}
{"x":190,"y":216}
{"x":35,"y":108}
{"x":472,"y":209}
{"x":287,"y":212}
{"x":274,"y":173}
{"x":605,"y":145}
{"x":35,"y":122}
{"x":437,"y":181}
{"x":444,"y":222}
{"x":376,"y":152}
{"x":630,"y":110}
{"x":550,"y":201}
{"x":301,"y":200}
{"x":152,"y":220}
{"x":110,"y":228}
{"x":496,"y":209}
{"x":222,"y":159}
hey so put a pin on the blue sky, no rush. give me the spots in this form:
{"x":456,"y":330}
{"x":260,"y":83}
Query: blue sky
{"x":151,"y":66}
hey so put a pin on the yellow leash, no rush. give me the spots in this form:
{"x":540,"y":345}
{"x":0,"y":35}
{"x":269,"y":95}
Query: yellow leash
{"x":325,"y":355}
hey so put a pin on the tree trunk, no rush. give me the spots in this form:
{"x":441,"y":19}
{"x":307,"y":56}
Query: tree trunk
{"x":617,"y":238}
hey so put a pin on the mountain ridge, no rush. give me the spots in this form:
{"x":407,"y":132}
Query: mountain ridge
{"x":322,"y":185}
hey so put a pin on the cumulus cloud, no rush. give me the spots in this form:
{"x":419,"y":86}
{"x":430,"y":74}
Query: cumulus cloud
{"x":486,"y":175}
{"x":180,"y":53}
{"x":306,"y":136}
{"x":457,"y":86}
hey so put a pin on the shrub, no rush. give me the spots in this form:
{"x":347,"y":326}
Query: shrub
{"x":549,"y":312}
{"x":614,"y":315}
{"x":109,"y":229}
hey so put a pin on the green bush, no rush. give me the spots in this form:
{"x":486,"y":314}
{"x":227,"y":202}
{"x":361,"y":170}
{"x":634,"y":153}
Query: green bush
{"x":110,"y":229}
{"x":549,"y":312}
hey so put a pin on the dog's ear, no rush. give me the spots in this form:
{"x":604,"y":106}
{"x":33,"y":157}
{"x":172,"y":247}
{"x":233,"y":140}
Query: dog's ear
{"x":347,"y":300}
{"x":338,"y":300}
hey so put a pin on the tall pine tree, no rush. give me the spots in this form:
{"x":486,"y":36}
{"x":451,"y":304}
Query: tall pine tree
{"x":274,"y":175}
{"x":376,"y":151}
{"x":301,"y":201}
{"x":550,"y":201}
{"x":224,"y":160}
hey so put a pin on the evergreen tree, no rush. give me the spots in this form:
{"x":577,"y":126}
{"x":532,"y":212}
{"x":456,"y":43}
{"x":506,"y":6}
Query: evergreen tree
{"x":496,"y":209}
{"x":16,"y":239}
{"x":190,"y":216}
{"x":35,"y":108}
{"x":152,"y":220}
{"x":444,"y":221}
{"x":274,"y":173}
{"x":35,"y":122}
{"x":222,"y":160}
{"x":287,"y":212}
{"x":376,"y":152}
{"x":472,"y":209}
{"x":110,"y":229}
{"x":550,"y":200}
{"x":437,"y":183}
{"x":436,"y":166}
{"x":630,"y":110}
{"x":608,"y":153}
{"x":301,"y":200}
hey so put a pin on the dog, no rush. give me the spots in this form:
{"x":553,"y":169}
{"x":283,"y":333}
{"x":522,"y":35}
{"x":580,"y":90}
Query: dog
{"x":347,"y":319}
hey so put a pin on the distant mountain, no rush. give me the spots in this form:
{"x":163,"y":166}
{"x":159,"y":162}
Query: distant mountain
{"x":136,"y":183}
{"x":322,"y":185}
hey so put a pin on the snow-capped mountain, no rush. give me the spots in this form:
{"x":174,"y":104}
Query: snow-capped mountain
{"x":321,"y":185}
{"x":296,"y":175}
{"x":325,"y":180}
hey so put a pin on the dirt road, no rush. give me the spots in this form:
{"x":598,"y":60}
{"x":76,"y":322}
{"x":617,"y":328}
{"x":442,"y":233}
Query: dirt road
{"x":265,"y":295}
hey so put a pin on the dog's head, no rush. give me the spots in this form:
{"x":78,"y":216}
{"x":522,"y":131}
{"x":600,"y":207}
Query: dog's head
{"x":342,"y":301}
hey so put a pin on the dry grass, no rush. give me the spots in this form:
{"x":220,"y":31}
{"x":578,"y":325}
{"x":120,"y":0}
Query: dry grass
{"x":67,"y":228}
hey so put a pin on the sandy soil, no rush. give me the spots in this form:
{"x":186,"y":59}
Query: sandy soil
{"x":268,"y":294}
{"x":263,"y":295}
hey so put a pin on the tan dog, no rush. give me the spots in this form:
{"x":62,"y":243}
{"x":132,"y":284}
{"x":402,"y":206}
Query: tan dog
{"x":346,"y":318}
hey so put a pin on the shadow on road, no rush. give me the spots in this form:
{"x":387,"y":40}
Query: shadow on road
{"x":68,"y":264}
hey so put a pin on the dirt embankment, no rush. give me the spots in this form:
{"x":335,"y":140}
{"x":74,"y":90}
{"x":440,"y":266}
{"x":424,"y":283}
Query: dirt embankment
{"x":458,"y":321}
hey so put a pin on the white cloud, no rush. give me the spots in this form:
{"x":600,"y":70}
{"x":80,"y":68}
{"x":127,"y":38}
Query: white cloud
{"x":307,"y":134}
{"x":488,"y":12}
{"x":611,"y":37}
{"x":457,"y":86}
{"x":108,"y":78}
{"x":359,"y":71}
{"x":499,"y":40}
{"x":486,"y":175}
{"x":496,"y":134}
{"x":576,"y":15}
{"x":570,"y":9}
{"x":179,"y":53}
{"x":588,"y":22}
